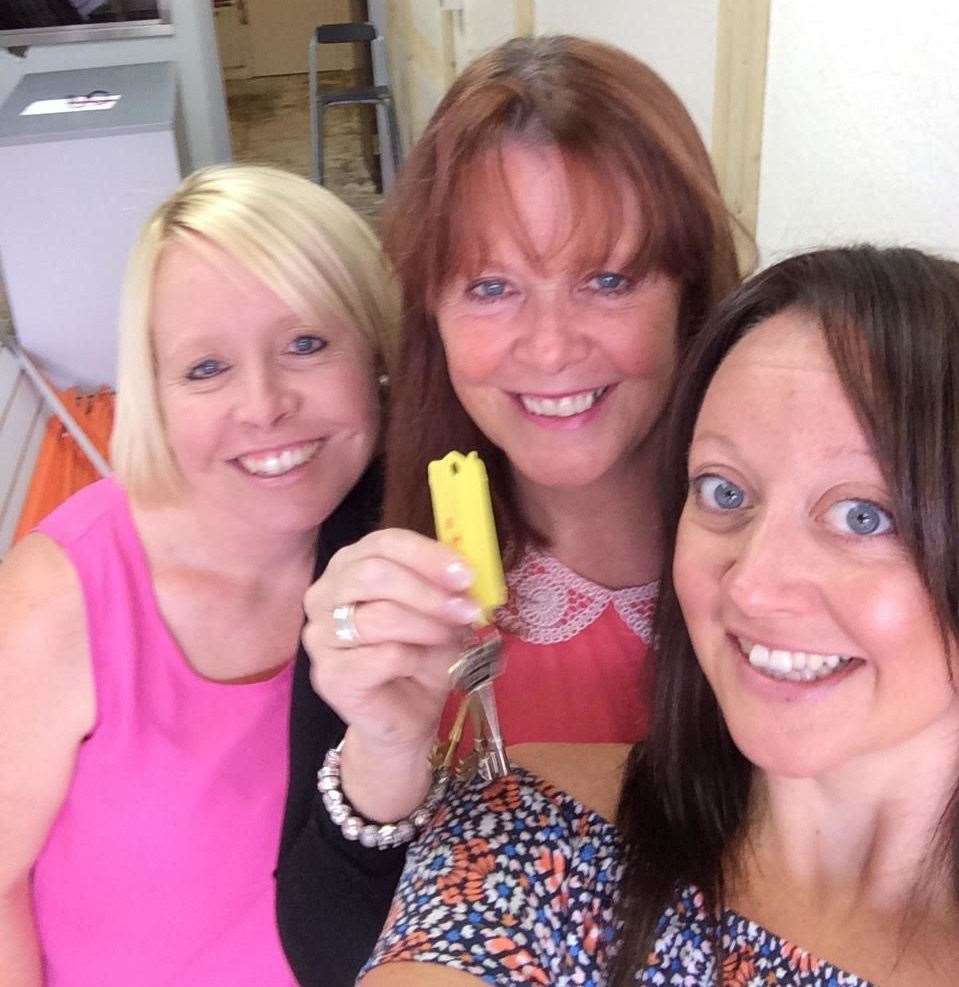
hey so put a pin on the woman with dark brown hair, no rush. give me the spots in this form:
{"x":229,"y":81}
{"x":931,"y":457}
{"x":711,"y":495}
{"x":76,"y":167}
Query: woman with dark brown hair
{"x":559,"y":238}
{"x":793,"y":814}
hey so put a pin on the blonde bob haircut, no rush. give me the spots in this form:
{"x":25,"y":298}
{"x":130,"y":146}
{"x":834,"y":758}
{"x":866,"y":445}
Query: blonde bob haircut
{"x":297,"y":238}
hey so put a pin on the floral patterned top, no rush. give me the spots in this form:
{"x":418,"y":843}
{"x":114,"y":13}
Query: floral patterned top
{"x":516,"y":882}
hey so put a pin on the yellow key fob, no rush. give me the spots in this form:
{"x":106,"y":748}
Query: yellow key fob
{"x":463,"y":515}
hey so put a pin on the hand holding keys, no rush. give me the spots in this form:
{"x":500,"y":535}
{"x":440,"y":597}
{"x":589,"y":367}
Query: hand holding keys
{"x":464,"y":520}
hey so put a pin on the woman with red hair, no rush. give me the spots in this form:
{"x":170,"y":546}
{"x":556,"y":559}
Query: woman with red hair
{"x":559,"y":238}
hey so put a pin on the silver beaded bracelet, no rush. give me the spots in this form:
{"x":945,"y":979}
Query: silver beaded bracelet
{"x":354,"y":827}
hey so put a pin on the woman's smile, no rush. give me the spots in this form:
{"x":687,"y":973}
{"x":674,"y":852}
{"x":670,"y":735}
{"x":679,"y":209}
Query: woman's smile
{"x":278,"y":461}
{"x":563,"y":411}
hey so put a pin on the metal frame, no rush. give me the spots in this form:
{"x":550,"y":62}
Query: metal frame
{"x":316,"y":118}
{"x":71,"y":33}
{"x":379,"y":96}
{"x":57,"y":407}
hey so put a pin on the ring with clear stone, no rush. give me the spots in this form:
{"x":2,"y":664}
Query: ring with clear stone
{"x":344,"y":623}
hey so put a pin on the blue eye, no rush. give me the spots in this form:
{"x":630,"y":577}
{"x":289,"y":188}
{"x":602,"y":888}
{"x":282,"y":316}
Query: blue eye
{"x":717,"y":494}
{"x":306,"y":345}
{"x":204,"y":370}
{"x":860,"y":517}
{"x":488,"y":290}
{"x":609,"y":283}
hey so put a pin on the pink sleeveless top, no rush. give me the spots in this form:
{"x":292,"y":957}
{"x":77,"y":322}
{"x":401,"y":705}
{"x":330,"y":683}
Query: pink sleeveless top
{"x":158,"y":868}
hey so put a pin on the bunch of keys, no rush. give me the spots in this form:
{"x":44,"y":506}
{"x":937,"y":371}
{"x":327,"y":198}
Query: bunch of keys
{"x":464,"y":521}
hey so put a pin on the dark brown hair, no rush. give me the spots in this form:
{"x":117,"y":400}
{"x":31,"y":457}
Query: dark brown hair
{"x":890,"y":319}
{"x":617,"y":125}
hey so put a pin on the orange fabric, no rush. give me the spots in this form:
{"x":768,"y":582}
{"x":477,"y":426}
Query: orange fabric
{"x":62,"y":468}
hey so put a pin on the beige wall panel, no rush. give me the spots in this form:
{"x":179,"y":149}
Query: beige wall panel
{"x":421,"y":62}
{"x":280,"y":33}
{"x":232,"y":38}
{"x":484,"y":24}
{"x":525,"y":18}
{"x":429,"y":46}
{"x":741,"y":47}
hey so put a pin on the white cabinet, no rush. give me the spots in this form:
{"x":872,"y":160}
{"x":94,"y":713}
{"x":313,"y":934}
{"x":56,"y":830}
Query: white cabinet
{"x":75,"y":188}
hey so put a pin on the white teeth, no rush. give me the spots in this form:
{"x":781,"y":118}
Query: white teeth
{"x":276,"y":464}
{"x":564,"y":407}
{"x":780,"y":661}
{"x":758,"y":655}
{"x":794,"y":666}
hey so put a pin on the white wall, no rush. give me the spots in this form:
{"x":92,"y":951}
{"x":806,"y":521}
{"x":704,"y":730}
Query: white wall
{"x":192,"y":47}
{"x":677,"y":38}
{"x":861,"y":128}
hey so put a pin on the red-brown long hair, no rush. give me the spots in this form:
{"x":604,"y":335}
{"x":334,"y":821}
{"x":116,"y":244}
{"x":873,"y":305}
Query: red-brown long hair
{"x":616,"y":125}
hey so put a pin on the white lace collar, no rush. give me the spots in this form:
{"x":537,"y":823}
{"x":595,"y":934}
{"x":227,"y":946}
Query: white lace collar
{"x":548,"y":603}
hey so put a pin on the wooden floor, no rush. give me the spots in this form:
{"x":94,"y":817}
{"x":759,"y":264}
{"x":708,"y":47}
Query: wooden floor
{"x":270,"y":123}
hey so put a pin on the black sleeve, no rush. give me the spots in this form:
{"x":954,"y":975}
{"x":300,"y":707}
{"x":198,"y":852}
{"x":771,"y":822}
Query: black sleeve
{"x":332,"y":895}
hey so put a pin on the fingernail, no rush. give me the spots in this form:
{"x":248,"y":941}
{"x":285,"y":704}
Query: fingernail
{"x":461,"y":609}
{"x":459,"y":576}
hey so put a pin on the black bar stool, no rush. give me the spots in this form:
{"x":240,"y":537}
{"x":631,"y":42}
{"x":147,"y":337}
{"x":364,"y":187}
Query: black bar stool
{"x":338,"y":34}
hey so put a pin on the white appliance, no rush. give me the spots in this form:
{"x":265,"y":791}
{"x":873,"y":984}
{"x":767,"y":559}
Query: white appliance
{"x":85,"y":157}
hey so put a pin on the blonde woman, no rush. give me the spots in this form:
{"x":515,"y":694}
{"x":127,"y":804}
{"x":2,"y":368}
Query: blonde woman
{"x":149,"y":625}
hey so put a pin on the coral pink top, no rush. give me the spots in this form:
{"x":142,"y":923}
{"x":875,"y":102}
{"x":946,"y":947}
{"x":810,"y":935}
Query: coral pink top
{"x":158,"y":868}
{"x":577,"y":663}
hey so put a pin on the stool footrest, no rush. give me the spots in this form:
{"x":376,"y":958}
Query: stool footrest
{"x":366,"y":94}
{"x":338,"y":34}
{"x":379,"y":96}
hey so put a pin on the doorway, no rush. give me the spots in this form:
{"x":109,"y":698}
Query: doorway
{"x":263,"y":51}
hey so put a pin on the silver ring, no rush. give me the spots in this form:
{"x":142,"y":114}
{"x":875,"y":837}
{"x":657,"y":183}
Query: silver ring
{"x":344,"y":623}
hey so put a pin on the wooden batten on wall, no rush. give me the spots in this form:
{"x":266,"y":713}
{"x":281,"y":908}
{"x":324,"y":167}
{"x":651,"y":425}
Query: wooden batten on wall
{"x":525,"y":18}
{"x":741,"y":48}
{"x":422,"y":65}
{"x":430,"y":44}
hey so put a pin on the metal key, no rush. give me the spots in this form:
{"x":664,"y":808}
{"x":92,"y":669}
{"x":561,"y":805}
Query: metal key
{"x":464,"y":520}
{"x":476,"y":670}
